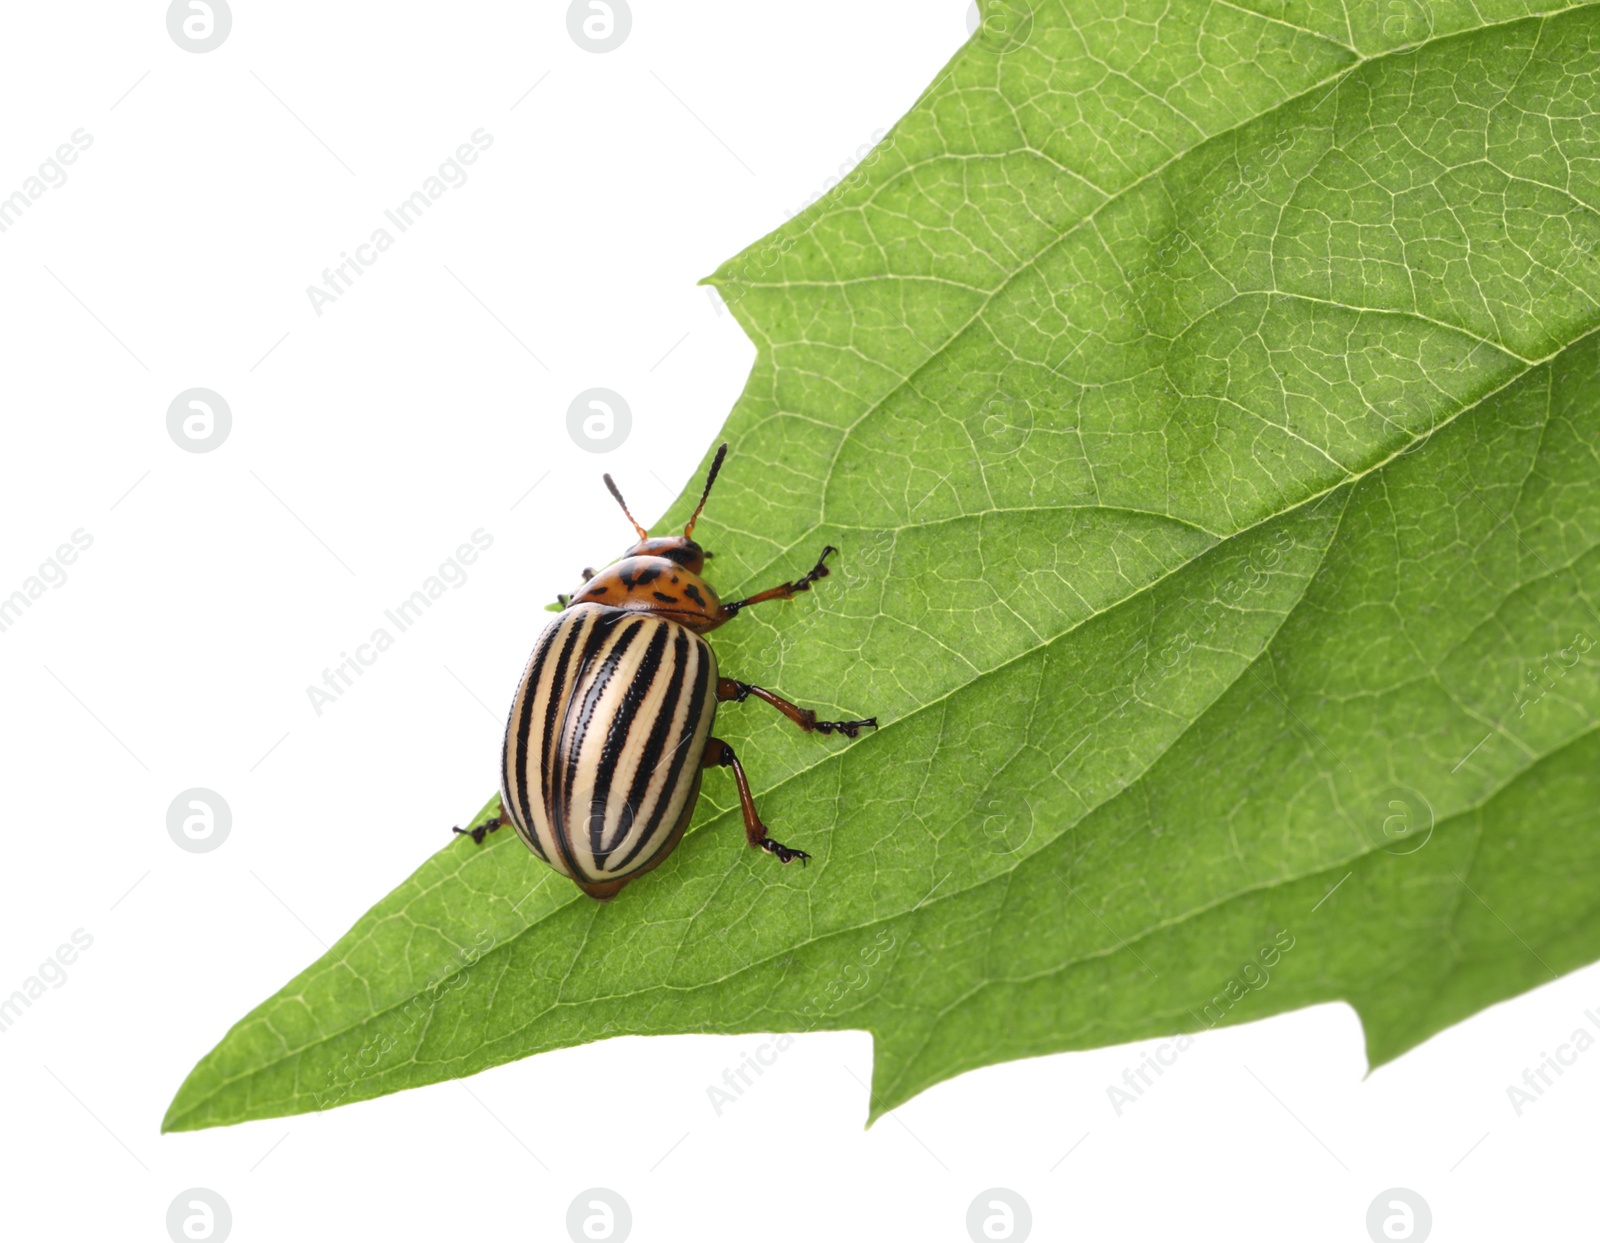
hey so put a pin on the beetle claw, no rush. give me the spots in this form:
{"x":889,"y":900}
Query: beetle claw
{"x":785,"y":854}
{"x":478,"y":833}
{"x":849,"y":729}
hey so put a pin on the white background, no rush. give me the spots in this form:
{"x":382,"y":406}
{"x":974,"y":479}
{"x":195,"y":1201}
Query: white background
{"x":367,"y":443}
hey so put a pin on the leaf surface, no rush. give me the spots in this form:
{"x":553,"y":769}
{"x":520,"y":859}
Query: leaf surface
{"x":1205,"y":401}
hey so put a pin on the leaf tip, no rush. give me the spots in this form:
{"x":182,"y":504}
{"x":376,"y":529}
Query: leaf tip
{"x":180,"y":1115}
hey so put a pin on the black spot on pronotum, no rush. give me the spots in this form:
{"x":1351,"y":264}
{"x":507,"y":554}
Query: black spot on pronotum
{"x":693,"y":593}
{"x":664,"y":597}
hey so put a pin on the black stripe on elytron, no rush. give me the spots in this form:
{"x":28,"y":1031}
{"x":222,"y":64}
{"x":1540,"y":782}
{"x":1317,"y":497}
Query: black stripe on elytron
{"x":599,"y":683}
{"x":616,"y":740}
{"x":558,"y":683}
{"x":650,"y":757}
{"x":521,"y":808}
{"x":697,"y":703}
{"x":559,"y":776}
{"x":659,"y":822}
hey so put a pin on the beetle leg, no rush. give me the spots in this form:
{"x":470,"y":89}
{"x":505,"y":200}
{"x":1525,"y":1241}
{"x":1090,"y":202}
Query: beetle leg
{"x":565,"y":599}
{"x":784,"y":591}
{"x":805,"y":718}
{"x":479,"y":832}
{"x":720,"y":755}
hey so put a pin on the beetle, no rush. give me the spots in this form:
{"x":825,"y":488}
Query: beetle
{"x":610,"y":728}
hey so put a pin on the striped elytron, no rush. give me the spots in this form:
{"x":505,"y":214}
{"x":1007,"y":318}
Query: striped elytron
{"x":610,"y":728}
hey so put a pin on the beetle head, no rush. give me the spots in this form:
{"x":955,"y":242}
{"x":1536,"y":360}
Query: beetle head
{"x":680,"y":549}
{"x":676,"y":548}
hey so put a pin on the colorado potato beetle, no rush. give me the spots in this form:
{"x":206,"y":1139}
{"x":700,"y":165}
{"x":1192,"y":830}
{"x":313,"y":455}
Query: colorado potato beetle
{"x":610,"y":727}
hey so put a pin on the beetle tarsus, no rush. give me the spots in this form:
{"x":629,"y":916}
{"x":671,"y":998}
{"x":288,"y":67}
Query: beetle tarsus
{"x":785,"y":854}
{"x":820,"y":570}
{"x":479,"y":832}
{"x":720,"y":755}
{"x":784,"y":591}
{"x":849,"y":729}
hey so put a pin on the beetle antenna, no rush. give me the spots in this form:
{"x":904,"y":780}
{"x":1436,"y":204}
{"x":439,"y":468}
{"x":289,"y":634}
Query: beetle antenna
{"x":611,"y":484}
{"x":711,"y":478}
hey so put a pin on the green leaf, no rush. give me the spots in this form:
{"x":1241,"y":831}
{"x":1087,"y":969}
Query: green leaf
{"x":1205,"y":401}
